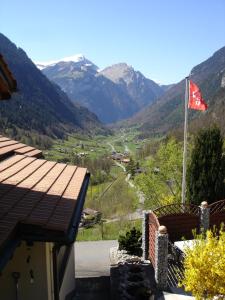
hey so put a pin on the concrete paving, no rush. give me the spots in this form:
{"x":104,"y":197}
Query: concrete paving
{"x":176,"y":294}
{"x":92,"y":258}
{"x":169,"y":296}
{"x":92,"y":261}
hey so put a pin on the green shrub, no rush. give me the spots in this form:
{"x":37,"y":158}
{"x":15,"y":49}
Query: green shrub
{"x":131,"y":242}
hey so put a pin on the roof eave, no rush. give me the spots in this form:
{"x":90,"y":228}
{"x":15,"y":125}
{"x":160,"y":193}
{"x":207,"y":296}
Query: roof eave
{"x":26,"y":231}
{"x":73,"y":228}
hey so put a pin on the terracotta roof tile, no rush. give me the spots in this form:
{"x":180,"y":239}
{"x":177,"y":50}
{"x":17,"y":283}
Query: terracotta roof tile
{"x":7,"y":143}
{"x":37,"y":192}
{"x":38,"y":175}
{"x":49,"y":179}
{"x":9,"y":162}
{"x":13,"y":169}
{"x":34,"y":153}
{"x":75,"y":184}
{"x":24,"y":150}
{"x":47,"y":205}
{"x":9,"y":147}
{"x":26,"y":172}
{"x":62,"y":181}
{"x":3,"y":139}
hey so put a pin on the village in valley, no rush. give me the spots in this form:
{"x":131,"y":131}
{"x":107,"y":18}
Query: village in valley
{"x":112,"y":185}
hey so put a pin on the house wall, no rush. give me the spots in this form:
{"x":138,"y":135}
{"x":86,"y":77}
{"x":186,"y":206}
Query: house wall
{"x":68,"y":284}
{"x":49,"y":270}
{"x":36,"y":258}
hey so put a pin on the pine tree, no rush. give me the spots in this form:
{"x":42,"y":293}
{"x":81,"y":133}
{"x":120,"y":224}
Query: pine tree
{"x":206,"y":172}
{"x":131,"y":242}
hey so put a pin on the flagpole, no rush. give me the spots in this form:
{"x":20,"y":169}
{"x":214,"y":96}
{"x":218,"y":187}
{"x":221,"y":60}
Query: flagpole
{"x":185,"y":140}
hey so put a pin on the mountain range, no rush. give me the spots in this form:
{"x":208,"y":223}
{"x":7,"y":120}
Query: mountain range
{"x":39,"y":105}
{"x":167,"y":113}
{"x":117,"y":92}
{"x":114,"y":93}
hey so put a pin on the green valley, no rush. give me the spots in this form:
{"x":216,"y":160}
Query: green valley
{"x":127,"y":174}
{"x":110,"y":192}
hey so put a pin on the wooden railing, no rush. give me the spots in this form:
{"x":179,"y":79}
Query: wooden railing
{"x":177,"y":208}
{"x":217,"y":207}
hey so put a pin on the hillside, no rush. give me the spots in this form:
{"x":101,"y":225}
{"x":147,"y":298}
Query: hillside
{"x":114,"y":93}
{"x":39,"y":105}
{"x":167,"y":112}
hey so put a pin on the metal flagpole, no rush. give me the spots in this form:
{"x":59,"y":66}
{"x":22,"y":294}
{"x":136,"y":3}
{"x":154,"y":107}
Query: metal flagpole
{"x":185,"y":141}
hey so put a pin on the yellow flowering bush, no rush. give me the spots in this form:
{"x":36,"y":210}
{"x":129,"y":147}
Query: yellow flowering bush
{"x":204,"y":265}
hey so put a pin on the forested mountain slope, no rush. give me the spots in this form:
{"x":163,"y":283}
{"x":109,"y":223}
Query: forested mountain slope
{"x":39,"y":106}
{"x":167,"y":112}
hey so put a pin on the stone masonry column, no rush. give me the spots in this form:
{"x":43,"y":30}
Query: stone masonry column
{"x":204,"y":217}
{"x":161,"y":257}
{"x":145,"y":235}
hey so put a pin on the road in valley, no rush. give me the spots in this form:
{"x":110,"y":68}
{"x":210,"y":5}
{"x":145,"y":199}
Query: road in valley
{"x":127,"y":149}
{"x":112,"y":147}
{"x":138,"y":213}
{"x":120,"y":165}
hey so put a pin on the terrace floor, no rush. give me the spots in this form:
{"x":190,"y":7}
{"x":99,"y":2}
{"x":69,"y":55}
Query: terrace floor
{"x":92,"y":258}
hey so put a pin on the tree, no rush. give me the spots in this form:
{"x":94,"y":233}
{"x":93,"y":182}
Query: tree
{"x":204,"y":266}
{"x":161,"y":182}
{"x":206,"y":172}
{"x":130,"y":168}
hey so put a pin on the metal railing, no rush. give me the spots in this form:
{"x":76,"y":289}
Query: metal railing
{"x":175,"y":265}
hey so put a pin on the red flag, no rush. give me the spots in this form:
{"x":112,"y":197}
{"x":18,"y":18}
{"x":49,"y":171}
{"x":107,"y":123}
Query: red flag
{"x":195,"y":98}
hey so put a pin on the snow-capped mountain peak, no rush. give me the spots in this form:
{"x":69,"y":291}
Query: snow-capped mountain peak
{"x":77,"y":58}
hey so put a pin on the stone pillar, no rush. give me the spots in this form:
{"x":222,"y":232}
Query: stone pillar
{"x":204,"y":216}
{"x":161,"y":257}
{"x":145,"y":235}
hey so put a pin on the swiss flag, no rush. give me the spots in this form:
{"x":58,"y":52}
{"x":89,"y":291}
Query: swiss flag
{"x":195,"y":98}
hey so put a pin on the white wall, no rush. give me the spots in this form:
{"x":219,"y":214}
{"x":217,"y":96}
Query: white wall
{"x":68,"y":284}
{"x":41,"y":288}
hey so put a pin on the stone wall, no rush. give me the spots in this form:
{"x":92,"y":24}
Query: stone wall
{"x":131,"y":277}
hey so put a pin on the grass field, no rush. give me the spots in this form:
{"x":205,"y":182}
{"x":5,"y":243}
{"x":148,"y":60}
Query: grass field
{"x":114,"y":198}
{"x":95,"y":146}
{"x":76,"y":145}
{"x":107,"y":231}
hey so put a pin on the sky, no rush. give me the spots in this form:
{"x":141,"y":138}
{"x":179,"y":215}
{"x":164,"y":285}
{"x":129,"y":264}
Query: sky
{"x":164,"y":39}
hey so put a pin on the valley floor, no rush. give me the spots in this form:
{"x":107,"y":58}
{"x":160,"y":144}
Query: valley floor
{"x":115,"y":196}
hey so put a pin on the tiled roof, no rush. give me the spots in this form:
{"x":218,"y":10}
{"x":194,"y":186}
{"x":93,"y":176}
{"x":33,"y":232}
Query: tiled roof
{"x":7,"y":81}
{"x":9,"y":147}
{"x":39,"y":199}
